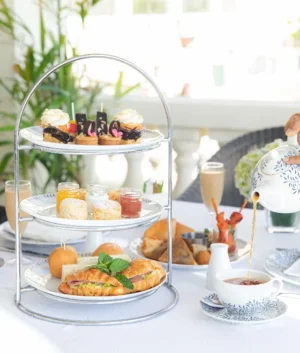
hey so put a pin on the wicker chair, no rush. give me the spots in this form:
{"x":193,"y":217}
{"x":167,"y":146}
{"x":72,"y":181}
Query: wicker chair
{"x":2,"y":215}
{"x":230,"y":154}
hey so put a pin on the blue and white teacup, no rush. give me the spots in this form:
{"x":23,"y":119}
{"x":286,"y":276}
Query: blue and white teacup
{"x":246,"y":299}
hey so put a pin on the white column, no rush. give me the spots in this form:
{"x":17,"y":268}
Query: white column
{"x":186,"y":163}
{"x":135,"y":176}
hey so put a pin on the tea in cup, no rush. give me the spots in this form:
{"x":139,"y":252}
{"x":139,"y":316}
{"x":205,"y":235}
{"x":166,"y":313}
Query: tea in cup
{"x":244,"y":290}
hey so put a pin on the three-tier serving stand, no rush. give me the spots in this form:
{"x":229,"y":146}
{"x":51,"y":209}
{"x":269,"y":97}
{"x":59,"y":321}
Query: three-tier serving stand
{"x":29,"y":290}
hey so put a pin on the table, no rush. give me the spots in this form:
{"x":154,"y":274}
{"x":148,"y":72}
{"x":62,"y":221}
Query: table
{"x":185,"y":327}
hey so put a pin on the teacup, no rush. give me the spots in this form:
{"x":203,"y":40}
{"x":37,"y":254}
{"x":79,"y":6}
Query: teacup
{"x":244,"y":299}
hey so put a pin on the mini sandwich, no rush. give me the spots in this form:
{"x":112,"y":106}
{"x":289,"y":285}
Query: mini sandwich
{"x":92,"y":282}
{"x":144,"y":274}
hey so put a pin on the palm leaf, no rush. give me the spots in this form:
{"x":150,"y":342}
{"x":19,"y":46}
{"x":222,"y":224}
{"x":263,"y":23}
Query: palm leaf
{"x":7,"y":128}
{"x":4,"y":161}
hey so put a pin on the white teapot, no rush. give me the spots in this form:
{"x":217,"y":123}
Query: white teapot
{"x":277,"y":183}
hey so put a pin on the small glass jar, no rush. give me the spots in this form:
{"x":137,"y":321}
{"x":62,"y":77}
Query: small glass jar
{"x":94,"y":193}
{"x":131,"y":202}
{"x":67,"y":190}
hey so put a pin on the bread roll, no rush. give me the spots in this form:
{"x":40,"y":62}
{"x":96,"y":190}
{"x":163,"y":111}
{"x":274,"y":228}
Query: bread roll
{"x":109,"y":249}
{"x":203,"y":257}
{"x":59,"y":257}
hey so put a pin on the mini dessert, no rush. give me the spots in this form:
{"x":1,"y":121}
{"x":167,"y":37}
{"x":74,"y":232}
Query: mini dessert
{"x":109,"y":249}
{"x":86,"y":130}
{"x":73,"y":209}
{"x":59,"y":257}
{"x":72,"y":129}
{"x":106,"y":210}
{"x":203,"y":257}
{"x":67,"y":190}
{"x":130,"y":126}
{"x":114,"y":195}
{"x":53,"y":134}
{"x":131,"y":202}
{"x":114,"y":135}
{"x":55,"y":118}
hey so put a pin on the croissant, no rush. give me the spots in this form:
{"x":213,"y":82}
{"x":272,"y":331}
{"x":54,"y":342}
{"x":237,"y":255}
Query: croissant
{"x":92,"y":282}
{"x":144,"y":274}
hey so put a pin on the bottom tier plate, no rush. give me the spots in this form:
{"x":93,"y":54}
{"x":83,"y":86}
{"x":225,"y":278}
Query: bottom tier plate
{"x":38,"y":277}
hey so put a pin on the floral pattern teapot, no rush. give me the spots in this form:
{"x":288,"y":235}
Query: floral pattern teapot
{"x":276,"y":182}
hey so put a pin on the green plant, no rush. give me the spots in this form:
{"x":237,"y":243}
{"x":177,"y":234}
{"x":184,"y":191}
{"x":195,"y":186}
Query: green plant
{"x":59,"y":90}
{"x":246,"y":165}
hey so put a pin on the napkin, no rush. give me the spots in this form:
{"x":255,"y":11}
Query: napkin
{"x":294,"y":269}
{"x":40,"y":232}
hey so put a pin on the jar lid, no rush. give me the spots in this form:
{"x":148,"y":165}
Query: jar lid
{"x":67,"y":185}
{"x":96,"y":189}
{"x":131,"y":192}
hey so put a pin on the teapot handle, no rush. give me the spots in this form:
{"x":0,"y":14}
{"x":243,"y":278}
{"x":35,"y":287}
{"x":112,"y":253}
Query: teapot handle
{"x":293,"y":140}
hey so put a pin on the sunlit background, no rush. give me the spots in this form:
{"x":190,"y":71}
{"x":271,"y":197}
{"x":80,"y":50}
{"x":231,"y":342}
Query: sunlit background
{"x":226,"y":67}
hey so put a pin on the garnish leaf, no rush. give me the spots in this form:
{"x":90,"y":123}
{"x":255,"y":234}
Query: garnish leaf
{"x":124,"y":280}
{"x":118,"y":265}
{"x":104,"y":258}
{"x":100,"y":267}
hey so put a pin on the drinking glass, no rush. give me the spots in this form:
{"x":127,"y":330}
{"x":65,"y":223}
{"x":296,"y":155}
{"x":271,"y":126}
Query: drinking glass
{"x":24,"y":193}
{"x":212,"y":176}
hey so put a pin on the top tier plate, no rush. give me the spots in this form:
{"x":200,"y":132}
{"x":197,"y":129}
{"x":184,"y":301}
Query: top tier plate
{"x":150,"y":140}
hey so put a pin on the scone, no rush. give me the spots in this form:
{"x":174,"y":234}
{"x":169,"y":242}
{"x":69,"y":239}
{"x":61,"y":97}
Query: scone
{"x":73,"y":209}
{"x":106,"y":210}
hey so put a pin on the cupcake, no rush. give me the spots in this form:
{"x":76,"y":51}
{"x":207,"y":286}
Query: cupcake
{"x":130,"y":126}
{"x":55,"y":118}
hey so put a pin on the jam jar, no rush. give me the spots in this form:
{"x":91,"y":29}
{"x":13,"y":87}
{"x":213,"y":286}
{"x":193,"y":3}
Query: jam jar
{"x":67,"y":190}
{"x":131,"y":202}
{"x":94,"y":193}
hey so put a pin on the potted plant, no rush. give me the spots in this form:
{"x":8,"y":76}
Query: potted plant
{"x":57,"y":91}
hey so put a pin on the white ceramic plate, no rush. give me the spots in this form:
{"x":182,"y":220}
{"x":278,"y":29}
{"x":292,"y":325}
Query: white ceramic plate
{"x":37,"y":234}
{"x":281,"y":260}
{"x":38,"y":276}
{"x":136,"y":249}
{"x":26,"y":241}
{"x":43,"y":208}
{"x":150,"y":139}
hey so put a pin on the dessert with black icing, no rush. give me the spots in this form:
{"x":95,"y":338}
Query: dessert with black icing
{"x":53,"y":134}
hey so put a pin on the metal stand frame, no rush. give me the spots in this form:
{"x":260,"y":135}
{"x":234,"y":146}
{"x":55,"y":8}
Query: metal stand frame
{"x":17,"y":147}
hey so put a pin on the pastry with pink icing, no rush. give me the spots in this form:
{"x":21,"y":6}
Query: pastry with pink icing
{"x":87,"y":131}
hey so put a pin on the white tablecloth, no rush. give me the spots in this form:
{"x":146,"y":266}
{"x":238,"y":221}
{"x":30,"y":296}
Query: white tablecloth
{"x":180,"y":330}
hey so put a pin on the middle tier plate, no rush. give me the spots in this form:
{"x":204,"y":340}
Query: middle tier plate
{"x":43,"y":209}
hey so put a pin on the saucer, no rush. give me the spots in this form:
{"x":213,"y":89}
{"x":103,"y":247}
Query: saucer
{"x":252,"y":313}
{"x":279,"y":261}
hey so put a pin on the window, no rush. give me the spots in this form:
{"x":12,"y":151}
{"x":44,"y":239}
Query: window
{"x":209,"y":49}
